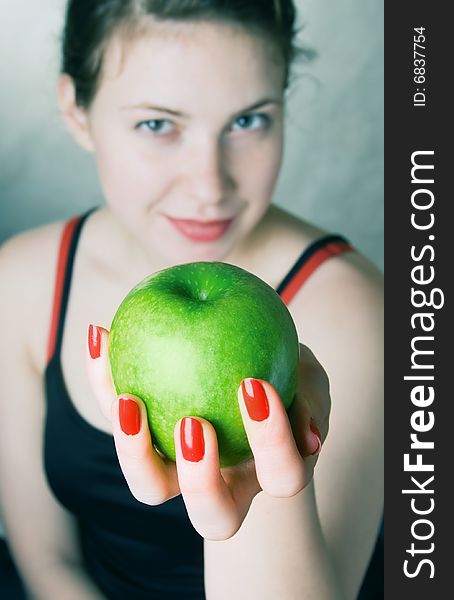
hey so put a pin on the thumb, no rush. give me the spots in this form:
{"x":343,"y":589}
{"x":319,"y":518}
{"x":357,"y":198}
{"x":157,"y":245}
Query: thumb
{"x":98,"y":368}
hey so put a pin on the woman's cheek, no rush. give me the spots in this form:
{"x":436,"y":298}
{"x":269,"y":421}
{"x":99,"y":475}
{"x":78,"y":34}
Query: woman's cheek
{"x":126,"y":177}
{"x":263,"y":170}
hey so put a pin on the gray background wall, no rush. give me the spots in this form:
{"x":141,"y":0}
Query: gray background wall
{"x":333,"y":167}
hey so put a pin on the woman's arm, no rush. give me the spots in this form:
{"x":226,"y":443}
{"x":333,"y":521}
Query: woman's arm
{"x":318,"y":545}
{"x":40,"y":532}
{"x":279,"y":552}
{"x":351,"y":465}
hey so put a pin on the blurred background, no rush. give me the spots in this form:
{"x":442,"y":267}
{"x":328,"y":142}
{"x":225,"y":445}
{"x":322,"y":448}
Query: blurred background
{"x":333,"y":166}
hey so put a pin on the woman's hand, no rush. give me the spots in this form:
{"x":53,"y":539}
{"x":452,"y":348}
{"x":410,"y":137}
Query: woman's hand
{"x":285,"y":446}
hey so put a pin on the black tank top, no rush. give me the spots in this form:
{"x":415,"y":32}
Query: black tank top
{"x":132,"y":551}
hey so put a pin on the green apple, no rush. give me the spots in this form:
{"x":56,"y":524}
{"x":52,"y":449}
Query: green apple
{"x":185,"y":337}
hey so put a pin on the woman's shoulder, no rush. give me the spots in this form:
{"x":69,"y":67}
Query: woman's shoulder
{"x":28,"y":262}
{"x":285,"y":237}
{"x":345,"y":286}
{"x":28,"y":258}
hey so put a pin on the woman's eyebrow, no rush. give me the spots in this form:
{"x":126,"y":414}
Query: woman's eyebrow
{"x":177,"y":113}
{"x":258,"y":104}
{"x":148,"y":106}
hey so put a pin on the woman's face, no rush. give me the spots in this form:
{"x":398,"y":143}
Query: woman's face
{"x":187,"y":129}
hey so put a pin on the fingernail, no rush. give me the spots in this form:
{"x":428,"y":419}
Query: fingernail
{"x":94,"y":341}
{"x":129,"y":415}
{"x":255,"y":399}
{"x":191,"y":438}
{"x":316,"y":432}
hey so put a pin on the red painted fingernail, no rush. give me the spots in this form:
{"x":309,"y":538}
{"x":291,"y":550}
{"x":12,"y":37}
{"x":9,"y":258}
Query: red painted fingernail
{"x":129,"y":415}
{"x":94,"y":341}
{"x":316,"y":432}
{"x":255,"y":399}
{"x":191,"y":438}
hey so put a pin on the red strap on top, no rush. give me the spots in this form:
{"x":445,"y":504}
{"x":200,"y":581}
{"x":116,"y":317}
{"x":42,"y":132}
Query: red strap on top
{"x":322,"y":254}
{"x":63,"y":253}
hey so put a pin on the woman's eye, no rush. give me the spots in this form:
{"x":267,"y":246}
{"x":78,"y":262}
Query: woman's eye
{"x":157,"y":126}
{"x":252,"y":122}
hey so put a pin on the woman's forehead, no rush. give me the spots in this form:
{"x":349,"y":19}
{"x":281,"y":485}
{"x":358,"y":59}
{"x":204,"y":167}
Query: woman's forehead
{"x":191,"y":57}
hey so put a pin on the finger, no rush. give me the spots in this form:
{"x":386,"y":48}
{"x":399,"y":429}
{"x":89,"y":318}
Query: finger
{"x":151,"y":478}
{"x":208,"y":500}
{"x":309,"y":413}
{"x":306,"y":434}
{"x":98,"y":368}
{"x":280,"y":468}
{"x":314,"y":392}
{"x":304,"y":427}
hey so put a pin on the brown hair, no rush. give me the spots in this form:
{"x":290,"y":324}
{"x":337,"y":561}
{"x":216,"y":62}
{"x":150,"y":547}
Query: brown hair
{"x":90,"y":24}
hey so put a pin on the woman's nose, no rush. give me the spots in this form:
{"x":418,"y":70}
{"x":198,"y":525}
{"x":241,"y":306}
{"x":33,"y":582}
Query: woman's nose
{"x":208,"y":174}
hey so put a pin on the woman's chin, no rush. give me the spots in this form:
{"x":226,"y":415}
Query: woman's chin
{"x":199,"y":252}
{"x":176,"y":248}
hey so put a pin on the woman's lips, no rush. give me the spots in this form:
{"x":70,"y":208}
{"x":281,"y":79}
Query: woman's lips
{"x":201,"y":231}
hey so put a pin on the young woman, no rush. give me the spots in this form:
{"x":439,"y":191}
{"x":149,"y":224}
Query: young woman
{"x":182,"y":104}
